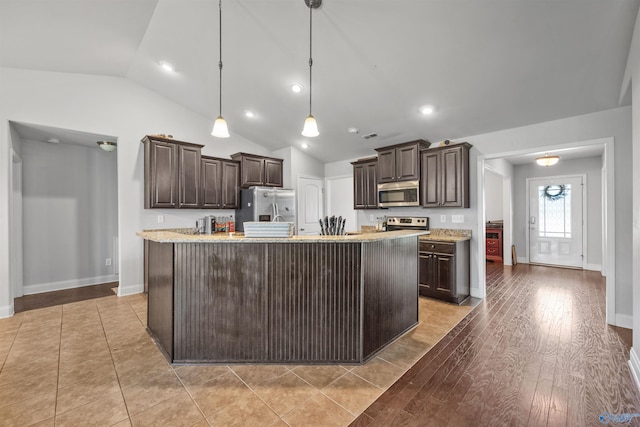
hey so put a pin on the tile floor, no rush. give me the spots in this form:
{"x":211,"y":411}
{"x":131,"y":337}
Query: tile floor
{"x":92,"y":363}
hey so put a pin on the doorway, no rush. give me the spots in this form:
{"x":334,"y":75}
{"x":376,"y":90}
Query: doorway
{"x":556,"y":219}
{"x":16,"y":225}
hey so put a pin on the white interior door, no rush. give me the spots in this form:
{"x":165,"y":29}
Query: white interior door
{"x":556,"y":221}
{"x":310,"y":205}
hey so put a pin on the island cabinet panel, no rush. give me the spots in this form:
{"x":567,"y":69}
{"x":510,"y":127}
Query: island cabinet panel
{"x":220,"y":304}
{"x":389,"y":288}
{"x":283,"y":301}
{"x":319,"y":322}
{"x":159,"y":258}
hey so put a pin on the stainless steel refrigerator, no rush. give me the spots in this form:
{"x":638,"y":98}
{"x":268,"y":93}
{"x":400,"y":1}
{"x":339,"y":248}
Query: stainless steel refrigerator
{"x":266,"y":204}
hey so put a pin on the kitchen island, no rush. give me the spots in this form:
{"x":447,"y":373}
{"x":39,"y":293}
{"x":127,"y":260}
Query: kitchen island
{"x":302,"y":300}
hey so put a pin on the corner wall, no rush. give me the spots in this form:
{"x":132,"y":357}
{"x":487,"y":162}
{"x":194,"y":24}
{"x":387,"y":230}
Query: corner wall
{"x":108,"y":106}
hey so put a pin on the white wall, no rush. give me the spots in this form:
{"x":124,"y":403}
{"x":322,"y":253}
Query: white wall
{"x":493,"y":196}
{"x":592,"y":167}
{"x":70,"y":210}
{"x":108,"y":106}
{"x":633,"y":72}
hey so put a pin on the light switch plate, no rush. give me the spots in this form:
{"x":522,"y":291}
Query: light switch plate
{"x":443,"y":218}
{"x":160,"y":219}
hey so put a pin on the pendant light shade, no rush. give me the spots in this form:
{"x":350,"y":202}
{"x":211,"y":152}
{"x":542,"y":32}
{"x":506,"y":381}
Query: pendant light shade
{"x":547,"y":160}
{"x":220,"y":128}
{"x":310,"y":125}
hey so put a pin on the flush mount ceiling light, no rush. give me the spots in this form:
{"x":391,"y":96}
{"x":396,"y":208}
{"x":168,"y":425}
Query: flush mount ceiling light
{"x":310,"y":125}
{"x":220,"y":129}
{"x":167,"y":67}
{"x":426,"y":110}
{"x":107,"y":145}
{"x":354,"y":131}
{"x":53,"y":141}
{"x":249,"y":114}
{"x":547,"y":160}
{"x":297,"y":88}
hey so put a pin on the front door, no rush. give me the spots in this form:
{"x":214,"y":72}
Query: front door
{"x":310,"y":205}
{"x":555,"y":221}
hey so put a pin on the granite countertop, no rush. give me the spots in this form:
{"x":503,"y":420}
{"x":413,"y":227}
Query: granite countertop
{"x":188,"y":236}
{"x":447,"y":235}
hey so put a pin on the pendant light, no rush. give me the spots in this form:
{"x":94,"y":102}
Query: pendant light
{"x":547,"y":160}
{"x":220,"y":129}
{"x":105,"y":145}
{"x":310,"y":125}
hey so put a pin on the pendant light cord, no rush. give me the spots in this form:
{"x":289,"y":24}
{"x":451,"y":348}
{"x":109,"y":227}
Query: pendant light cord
{"x":310,"y":55}
{"x":220,"y":50}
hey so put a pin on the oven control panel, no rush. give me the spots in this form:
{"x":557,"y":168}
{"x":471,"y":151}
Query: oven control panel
{"x":408,"y":222}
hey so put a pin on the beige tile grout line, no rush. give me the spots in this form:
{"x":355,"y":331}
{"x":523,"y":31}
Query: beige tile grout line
{"x":114,"y":364}
{"x":55,"y":407}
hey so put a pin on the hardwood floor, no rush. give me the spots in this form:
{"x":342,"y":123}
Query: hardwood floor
{"x":49,"y":299}
{"x":536,"y":351}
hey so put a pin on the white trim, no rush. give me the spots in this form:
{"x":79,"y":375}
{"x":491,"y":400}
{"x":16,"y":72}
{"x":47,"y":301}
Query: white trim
{"x":6,"y":311}
{"x":130,"y":290}
{"x":624,"y":321}
{"x":593,"y":267}
{"x":480,"y":240}
{"x":634,"y":364}
{"x":68,"y":284}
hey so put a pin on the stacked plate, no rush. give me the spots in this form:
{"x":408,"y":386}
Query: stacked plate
{"x":268,"y":229}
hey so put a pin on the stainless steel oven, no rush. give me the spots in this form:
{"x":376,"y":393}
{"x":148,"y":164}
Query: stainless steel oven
{"x":407,"y":223}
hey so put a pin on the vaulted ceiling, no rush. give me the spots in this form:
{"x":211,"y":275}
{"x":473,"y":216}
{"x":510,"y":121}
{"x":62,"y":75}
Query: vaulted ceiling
{"x":484,"y":65}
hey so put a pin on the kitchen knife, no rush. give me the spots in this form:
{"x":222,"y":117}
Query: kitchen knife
{"x":321,"y":227}
{"x":344,"y":220}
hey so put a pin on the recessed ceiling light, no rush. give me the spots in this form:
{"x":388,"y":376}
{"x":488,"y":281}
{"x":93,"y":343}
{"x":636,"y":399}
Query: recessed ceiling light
{"x":305,"y":145}
{"x":426,"y":110}
{"x":53,"y":140}
{"x":167,"y":67}
{"x":354,"y":131}
{"x":296,"y":88}
{"x":250,"y":114}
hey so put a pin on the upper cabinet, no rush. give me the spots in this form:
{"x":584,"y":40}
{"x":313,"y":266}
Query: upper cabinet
{"x":365,"y":184}
{"x":172,"y":173}
{"x":400,"y":162}
{"x":219,"y":182}
{"x":259,"y":170}
{"x":444,"y":179}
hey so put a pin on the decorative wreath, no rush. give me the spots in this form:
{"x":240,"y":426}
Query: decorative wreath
{"x":554,"y":192}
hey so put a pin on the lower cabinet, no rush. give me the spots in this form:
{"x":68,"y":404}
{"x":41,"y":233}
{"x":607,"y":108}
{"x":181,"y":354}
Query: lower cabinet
{"x":444,"y":270}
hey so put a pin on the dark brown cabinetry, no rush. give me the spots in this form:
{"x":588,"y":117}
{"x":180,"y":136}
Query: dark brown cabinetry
{"x":444,"y":179}
{"x":444,"y":270}
{"x":259,"y":170}
{"x":400,"y":162}
{"x":365,"y":193}
{"x":220,"y":183}
{"x":172,"y":173}
{"x":494,"y":244}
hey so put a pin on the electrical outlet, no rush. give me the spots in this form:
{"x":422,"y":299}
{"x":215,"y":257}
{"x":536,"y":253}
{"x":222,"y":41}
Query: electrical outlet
{"x":443,"y":218}
{"x":107,"y":261}
{"x":160,"y":219}
{"x":457,"y":218}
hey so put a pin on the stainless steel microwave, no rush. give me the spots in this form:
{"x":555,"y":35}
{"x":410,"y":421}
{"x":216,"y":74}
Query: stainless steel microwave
{"x":406,"y":193}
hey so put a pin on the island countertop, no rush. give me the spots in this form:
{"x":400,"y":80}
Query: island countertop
{"x":188,"y":236}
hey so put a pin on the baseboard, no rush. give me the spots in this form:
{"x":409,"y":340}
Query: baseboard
{"x":624,"y":321}
{"x":67,"y":284}
{"x":523,"y":260}
{"x":130,"y":290}
{"x":634,"y":364}
{"x":6,"y":311}
{"x":593,"y":267}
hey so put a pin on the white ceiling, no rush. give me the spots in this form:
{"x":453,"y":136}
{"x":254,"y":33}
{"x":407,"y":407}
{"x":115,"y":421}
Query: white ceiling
{"x":485,"y":65}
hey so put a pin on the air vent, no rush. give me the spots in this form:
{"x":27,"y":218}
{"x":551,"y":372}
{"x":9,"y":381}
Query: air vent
{"x":370,"y":135}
